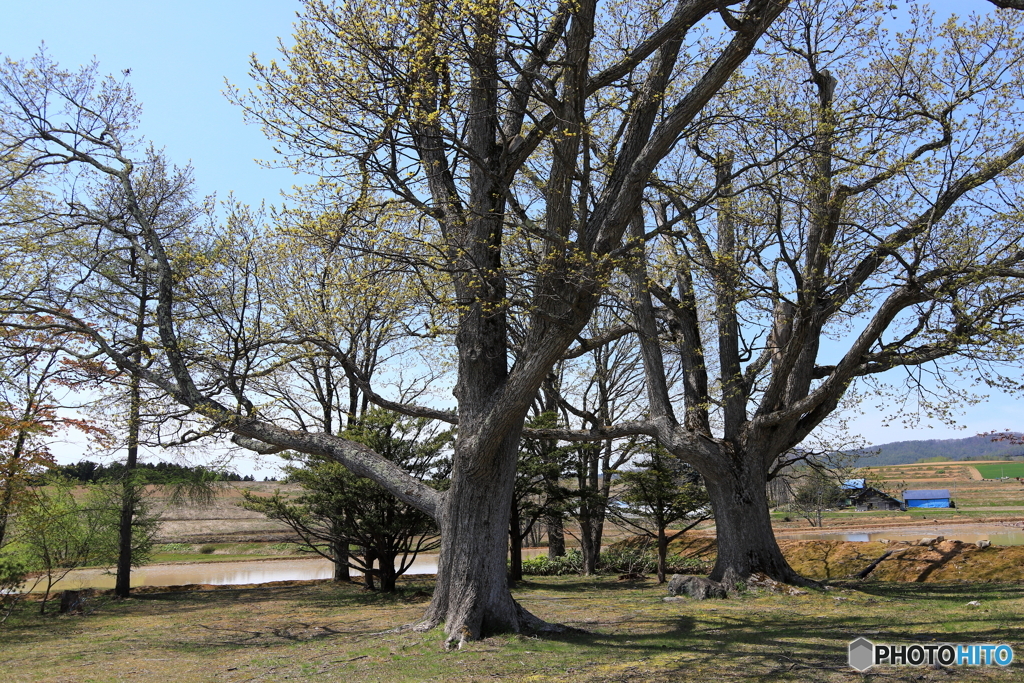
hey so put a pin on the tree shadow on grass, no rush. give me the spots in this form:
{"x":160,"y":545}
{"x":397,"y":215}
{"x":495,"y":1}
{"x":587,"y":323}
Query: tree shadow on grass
{"x":324,"y":596}
{"x":574,"y":584}
{"x":936,"y":591}
{"x":781,"y":638}
{"x":790,"y":641}
{"x":747,"y":647}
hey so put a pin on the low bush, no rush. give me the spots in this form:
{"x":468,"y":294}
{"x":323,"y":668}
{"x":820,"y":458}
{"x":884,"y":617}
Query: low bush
{"x":12,"y":573}
{"x":208,"y":549}
{"x":174,"y":548}
{"x":570,"y":563}
{"x":286,"y":547}
{"x":617,"y":561}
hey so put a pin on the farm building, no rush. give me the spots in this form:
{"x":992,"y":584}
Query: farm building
{"x":927,"y":498}
{"x":869,"y":498}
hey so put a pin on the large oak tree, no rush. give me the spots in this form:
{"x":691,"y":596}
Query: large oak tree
{"x":859,"y":212}
{"x":482,"y":117}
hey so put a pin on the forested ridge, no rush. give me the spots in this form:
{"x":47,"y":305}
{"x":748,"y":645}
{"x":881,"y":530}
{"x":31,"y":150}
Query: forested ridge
{"x":972,"y":448}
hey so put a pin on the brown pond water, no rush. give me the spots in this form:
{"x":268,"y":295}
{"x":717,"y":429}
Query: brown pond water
{"x":232,"y":573}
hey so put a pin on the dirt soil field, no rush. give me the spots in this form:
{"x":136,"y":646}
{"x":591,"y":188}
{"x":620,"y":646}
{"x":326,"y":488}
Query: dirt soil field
{"x":224,"y":521}
{"x":978,"y":501}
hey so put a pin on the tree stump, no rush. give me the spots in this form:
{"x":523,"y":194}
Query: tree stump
{"x":71,"y":602}
{"x":699,"y":587}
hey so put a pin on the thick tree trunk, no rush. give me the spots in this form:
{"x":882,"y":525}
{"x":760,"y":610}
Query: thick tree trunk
{"x":746,"y":542}
{"x":129,"y":497}
{"x":6,"y":504}
{"x":556,"y":537}
{"x":388,"y":576}
{"x":13,"y":474}
{"x":369,"y":557}
{"x":591,"y":531}
{"x":515,"y":543}
{"x":122,"y":584}
{"x":131,"y":489}
{"x":472,"y":598}
{"x":662,"y":554}
{"x":341,"y":569}
{"x":590,"y":544}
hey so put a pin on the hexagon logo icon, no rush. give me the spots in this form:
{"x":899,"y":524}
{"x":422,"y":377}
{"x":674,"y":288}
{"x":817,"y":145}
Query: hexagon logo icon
{"x":862,"y":654}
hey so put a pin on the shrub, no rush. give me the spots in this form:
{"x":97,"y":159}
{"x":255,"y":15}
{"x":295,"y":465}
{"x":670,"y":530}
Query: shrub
{"x":570,"y":563}
{"x":12,"y":573}
{"x":616,"y":561}
{"x":627,"y":561}
{"x":13,"y":570}
{"x":285,"y":547}
{"x":175,"y":548}
{"x":689,"y":565}
{"x":208,"y":549}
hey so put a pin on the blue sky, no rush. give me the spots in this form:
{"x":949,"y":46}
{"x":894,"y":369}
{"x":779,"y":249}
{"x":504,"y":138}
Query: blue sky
{"x":180,"y":54}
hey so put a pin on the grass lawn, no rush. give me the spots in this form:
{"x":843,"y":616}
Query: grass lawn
{"x":324,"y":632}
{"x":997,"y":470}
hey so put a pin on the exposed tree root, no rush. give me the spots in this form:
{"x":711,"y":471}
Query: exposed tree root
{"x":733,"y":579}
{"x":871,"y":567}
{"x":526,"y":623}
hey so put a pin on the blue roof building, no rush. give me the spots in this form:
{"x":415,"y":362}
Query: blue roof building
{"x":852,"y":484}
{"x":927,"y":498}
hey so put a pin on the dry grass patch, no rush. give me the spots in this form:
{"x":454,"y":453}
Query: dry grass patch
{"x":942,"y":562}
{"x":334,"y":632}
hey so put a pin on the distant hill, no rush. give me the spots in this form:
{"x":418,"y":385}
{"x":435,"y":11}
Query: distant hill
{"x":907,"y":452}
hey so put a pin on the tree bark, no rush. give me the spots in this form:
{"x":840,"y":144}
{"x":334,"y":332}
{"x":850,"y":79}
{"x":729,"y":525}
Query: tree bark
{"x":130,"y":488}
{"x":129,"y":500}
{"x":341,"y":569}
{"x":472,"y":596}
{"x":369,"y":557}
{"x":129,"y":496}
{"x":746,"y":542}
{"x":515,"y":542}
{"x":662,"y":553}
{"x":12,"y":472}
{"x":591,"y":526}
{"x":388,"y":577}
{"x":556,"y":537}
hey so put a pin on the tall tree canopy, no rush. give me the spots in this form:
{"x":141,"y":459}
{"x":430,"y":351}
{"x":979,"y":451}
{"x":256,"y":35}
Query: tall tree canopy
{"x":850,"y":206}
{"x":492,"y":157}
{"x":516,"y":141}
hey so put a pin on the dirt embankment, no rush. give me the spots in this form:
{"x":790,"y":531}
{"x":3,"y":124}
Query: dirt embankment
{"x":943,"y":561}
{"x":938,"y":561}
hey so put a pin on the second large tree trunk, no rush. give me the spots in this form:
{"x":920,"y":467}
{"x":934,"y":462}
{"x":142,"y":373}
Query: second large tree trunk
{"x":591,"y":526}
{"x":515,"y":542}
{"x":339,"y":551}
{"x":746,"y":542}
{"x":662,"y":553}
{"x":556,"y":536}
